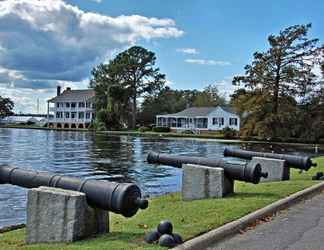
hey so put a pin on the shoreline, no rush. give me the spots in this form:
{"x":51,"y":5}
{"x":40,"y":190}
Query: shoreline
{"x":170,"y":135}
{"x":247,"y":201}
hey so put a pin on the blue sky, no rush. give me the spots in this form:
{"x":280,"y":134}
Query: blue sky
{"x":221,"y":37}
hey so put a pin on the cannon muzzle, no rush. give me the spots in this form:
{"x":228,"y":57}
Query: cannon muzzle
{"x":120,"y":198}
{"x":233,"y":170}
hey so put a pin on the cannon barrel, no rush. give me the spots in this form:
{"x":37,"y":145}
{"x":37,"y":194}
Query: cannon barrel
{"x":120,"y":198}
{"x":235,"y":171}
{"x":294,"y":161}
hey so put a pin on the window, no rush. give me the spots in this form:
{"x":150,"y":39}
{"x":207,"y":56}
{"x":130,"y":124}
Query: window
{"x":233,"y":121}
{"x":218,"y":121}
{"x":73,"y":115}
{"x":67,"y":115}
{"x":81,"y":105}
{"x":57,"y":104}
{"x":73,"y":104}
{"x":59,"y":115}
{"x":67,"y":104}
{"x":88,"y":116}
{"x":88,"y":104}
{"x":202,"y":122}
{"x":81,"y":115}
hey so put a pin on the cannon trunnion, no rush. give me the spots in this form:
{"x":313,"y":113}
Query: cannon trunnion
{"x":120,"y":198}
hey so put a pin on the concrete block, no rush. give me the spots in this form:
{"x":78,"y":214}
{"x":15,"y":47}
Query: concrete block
{"x":202,"y":182}
{"x":58,"y":215}
{"x":277,"y":170}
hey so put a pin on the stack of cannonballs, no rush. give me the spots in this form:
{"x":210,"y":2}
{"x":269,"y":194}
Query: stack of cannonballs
{"x":318,"y":176}
{"x":164,"y":235}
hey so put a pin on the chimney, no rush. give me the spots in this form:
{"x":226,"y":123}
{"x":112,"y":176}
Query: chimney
{"x":58,"y":90}
{"x":68,"y":89}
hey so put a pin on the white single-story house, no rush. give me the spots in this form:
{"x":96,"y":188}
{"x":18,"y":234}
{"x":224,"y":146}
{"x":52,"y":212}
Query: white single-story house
{"x":200,"y":119}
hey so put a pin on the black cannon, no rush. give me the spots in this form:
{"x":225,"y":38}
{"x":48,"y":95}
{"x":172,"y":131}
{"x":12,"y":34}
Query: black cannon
{"x":120,"y":198}
{"x":236,"y":171}
{"x":294,"y":161}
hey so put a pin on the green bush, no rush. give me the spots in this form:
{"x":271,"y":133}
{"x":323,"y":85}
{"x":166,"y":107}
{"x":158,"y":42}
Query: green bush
{"x":187,"y":132}
{"x":144,"y":129}
{"x":229,"y":133}
{"x":161,"y":129}
{"x":106,"y":120}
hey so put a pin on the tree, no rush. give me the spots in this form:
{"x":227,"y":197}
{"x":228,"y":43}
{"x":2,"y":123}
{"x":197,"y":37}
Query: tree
{"x":138,"y":76}
{"x":209,"y":97}
{"x":285,"y":69}
{"x":167,"y":101}
{"x":312,"y":116}
{"x":6,"y":106}
{"x":126,"y":78}
{"x":255,"y":109}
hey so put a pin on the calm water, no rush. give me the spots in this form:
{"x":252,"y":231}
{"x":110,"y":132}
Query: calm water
{"x":95,"y":156}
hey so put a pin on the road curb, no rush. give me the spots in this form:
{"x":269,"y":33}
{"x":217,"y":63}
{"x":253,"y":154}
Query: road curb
{"x":207,"y":239}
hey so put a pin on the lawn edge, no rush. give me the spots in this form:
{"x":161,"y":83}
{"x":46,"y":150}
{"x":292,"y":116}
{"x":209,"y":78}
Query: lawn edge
{"x":234,"y":227}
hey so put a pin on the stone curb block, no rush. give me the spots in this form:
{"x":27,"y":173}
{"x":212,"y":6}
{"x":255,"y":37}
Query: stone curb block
{"x":205,"y":240}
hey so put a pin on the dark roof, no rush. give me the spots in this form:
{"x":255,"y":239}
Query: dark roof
{"x":199,"y":111}
{"x":74,"y":95}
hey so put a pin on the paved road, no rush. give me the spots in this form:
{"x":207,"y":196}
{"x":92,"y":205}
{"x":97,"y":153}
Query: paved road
{"x":299,"y":228}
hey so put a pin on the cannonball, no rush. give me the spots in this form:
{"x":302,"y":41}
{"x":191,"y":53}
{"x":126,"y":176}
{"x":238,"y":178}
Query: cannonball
{"x":166,"y":240}
{"x":165,"y":227}
{"x":177,"y":238}
{"x":152,"y":237}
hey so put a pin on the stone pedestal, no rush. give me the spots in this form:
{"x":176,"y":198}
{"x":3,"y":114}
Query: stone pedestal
{"x":276,"y":169}
{"x":58,"y":215}
{"x":201,"y":182}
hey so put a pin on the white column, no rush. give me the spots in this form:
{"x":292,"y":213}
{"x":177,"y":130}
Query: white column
{"x":47,"y":111}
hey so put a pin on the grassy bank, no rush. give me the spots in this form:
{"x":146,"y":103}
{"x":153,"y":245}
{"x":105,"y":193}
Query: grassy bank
{"x":190,"y":218}
{"x":211,"y":135}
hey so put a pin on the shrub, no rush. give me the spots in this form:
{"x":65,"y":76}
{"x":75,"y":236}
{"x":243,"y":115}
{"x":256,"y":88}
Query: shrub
{"x":106,"y":120}
{"x":229,"y":133}
{"x":161,"y":129}
{"x":144,"y":129}
{"x":187,"y":132}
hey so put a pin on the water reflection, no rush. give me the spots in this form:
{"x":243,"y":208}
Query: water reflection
{"x":88,"y":155}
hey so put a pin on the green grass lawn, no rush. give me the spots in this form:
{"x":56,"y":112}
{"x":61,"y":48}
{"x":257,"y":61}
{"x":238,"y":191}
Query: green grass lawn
{"x":189,"y":218}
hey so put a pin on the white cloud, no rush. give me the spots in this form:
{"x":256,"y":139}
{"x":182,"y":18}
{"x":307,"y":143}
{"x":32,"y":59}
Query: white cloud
{"x":190,"y":51}
{"x":169,"y":83}
{"x":207,"y":62}
{"x":225,"y":87}
{"x":97,"y":1}
{"x":45,"y":42}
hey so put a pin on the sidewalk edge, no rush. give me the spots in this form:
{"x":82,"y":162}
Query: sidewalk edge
{"x":205,"y":240}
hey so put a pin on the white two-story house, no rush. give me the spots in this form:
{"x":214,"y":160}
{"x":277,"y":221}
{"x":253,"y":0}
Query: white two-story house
{"x":71,"y":108}
{"x":200,"y":119}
